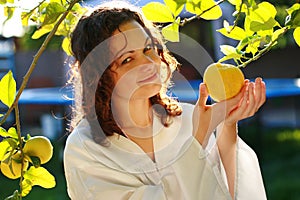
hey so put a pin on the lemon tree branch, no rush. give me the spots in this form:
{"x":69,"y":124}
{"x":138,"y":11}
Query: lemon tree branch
{"x":18,"y":126}
{"x":35,"y":59}
{"x":263,"y":51}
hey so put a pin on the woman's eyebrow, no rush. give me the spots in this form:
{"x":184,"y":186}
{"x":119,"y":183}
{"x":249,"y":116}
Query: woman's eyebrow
{"x":120,"y":53}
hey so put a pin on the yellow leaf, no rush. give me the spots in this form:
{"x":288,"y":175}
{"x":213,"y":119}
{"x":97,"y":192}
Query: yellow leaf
{"x":171,"y":32}
{"x":294,"y":7}
{"x":25,"y":18}
{"x":230,"y":53}
{"x":10,"y":133}
{"x":66,"y":46}
{"x":277,"y":33}
{"x":42,"y":31}
{"x":175,"y":6}
{"x":296,"y":35}
{"x":4,"y":147}
{"x":235,"y":2}
{"x":253,"y":47}
{"x":206,"y":9}
{"x":236,"y":33}
{"x":227,"y":49}
{"x":263,"y":12}
{"x":39,"y":176}
{"x":26,"y":187}
{"x":8,"y":89}
{"x":157,"y":12}
{"x":214,"y":13}
{"x":247,"y":25}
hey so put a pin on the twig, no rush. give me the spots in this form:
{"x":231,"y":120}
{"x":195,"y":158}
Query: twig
{"x":17,"y":115}
{"x":263,"y":51}
{"x":185,"y":21}
{"x":35,"y":59}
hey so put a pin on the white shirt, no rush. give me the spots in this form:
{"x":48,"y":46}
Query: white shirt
{"x":182,"y":170}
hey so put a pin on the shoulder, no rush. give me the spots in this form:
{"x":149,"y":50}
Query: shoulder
{"x":81,"y":132}
{"x":187,"y":111}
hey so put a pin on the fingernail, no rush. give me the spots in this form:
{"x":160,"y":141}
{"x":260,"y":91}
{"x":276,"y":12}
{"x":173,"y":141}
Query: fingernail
{"x":258,"y":79}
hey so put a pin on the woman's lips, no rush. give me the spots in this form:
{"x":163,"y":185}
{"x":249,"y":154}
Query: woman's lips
{"x":148,"y":79}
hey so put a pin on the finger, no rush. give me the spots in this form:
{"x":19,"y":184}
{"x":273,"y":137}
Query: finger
{"x":252,"y":102}
{"x":238,"y":113}
{"x":235,"y":101}
{"x":203,"y":95}
{"x":258,"y":94}
{"x":263,"y":93}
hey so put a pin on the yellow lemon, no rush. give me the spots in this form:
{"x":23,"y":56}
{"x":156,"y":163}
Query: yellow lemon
{"x":39,"y":146}
{"x":223,"y":81}
{"x":16,"y":165}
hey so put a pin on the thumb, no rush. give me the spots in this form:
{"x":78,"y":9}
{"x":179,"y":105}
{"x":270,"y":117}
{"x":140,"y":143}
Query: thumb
{"x":203,"y":95}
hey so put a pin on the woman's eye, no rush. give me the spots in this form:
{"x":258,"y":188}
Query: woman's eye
{"x":148,"y":47}
{"x":127,"y":60}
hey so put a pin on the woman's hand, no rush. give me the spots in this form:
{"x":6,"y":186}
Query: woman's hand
{"x":253,"y":98}
{"x":207,"y":117}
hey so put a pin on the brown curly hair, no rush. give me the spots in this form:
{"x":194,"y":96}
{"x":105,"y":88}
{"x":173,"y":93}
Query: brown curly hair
{"x":94,"y":84}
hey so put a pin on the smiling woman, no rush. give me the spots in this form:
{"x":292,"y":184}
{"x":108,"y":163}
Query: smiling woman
{"x":132,"y":141}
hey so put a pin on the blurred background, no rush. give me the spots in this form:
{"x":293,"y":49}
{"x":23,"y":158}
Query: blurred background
{"x":274,"y":132}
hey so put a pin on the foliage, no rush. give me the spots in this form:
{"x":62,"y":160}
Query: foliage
{"x":54,"y":17}
{"x":259,"y":32}
{"x":256,"y":35}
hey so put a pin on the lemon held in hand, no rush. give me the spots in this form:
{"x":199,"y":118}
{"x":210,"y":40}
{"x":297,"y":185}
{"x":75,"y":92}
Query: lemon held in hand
{"x":39,"y":146}
{"x":223,"y":81}
{"x":16,"y":165}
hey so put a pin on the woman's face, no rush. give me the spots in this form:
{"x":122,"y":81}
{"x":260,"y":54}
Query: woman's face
{"x":136,"y":63}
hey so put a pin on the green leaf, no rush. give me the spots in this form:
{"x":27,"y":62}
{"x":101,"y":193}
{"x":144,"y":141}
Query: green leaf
{"x":175,"y":6}
{"x":8,"y":89}
{"x":171,"y":32}
{"x":39,"y":176}
{"x":53,"y":11}
{"x":1,"y":115}
{"x":36,"y":161}
{"x":42,"y":31}
{"x":293,"y":20}
{"x":236,"y":33}
{"x":157,"y":12}
{"x":296,"y":35}
{"x":4,"y":148}
{"x":263,"y":26}
{"x":2,"y":2}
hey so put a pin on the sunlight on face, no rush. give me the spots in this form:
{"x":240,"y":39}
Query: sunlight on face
{"x":136,"y":64}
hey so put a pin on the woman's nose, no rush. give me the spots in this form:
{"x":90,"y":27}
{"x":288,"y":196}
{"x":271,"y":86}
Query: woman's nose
{"x":150,"y":58}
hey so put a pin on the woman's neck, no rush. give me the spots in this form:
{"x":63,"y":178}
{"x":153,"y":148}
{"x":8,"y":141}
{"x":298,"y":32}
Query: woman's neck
{"x":133,"y":113}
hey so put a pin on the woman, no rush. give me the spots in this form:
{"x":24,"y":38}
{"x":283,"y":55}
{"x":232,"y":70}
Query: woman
{"x":132,"y":141}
